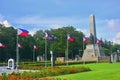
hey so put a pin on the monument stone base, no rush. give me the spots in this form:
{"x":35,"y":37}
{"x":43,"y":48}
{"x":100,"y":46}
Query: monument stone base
{"x":92,"y":52}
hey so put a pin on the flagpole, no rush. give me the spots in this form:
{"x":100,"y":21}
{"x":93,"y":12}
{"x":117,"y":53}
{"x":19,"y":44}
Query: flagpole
{"x":33,"y":54}
{"x":67,"y":50}
{"x":45,"y":52}
{"x":83,"y":44}
{"x":17,"y":51}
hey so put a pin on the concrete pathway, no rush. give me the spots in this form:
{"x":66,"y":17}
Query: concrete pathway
{"x":3,"y":69}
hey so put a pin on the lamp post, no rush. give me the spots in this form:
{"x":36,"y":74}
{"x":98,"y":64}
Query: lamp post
{"x":52,"y":50}
{"x":33,"y":54}
{"x":110,"y":44}
{"x":118,"y":52}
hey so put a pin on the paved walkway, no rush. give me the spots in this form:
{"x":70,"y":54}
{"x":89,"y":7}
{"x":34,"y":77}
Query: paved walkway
{"x":3,"y":69}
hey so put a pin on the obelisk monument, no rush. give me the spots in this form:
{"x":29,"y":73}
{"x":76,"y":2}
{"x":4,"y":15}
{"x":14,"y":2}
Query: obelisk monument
{"x":93,"y":29}
{"x":93,"y":50}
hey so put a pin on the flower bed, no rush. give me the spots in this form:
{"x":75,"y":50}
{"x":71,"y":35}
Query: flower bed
{"x":44,"y":72}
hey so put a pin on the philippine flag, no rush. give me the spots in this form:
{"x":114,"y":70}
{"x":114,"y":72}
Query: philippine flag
{"x":35,"y":47}
{"x":70,"y":38}
{"x":2,"y":45}
{"x":22,"y":32}
{"x":47,"y":35}
{"x":85,"y":39}
{"x":19,"y":46}
{"x":99,"y":41}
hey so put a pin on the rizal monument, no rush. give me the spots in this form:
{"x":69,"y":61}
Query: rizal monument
{"x":93,"y":50}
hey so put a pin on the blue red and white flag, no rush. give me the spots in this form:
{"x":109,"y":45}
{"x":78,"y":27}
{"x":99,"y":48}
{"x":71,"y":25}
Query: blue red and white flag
{"x":99,"y":41}
{"x":85,"y":39}
{"x":70,"y":38}
{"x":47,"y":35}
{"x":2,"y":45}
{"x":22,"y":32}
{"x":19,"y":46}
{"x":35,"y":47}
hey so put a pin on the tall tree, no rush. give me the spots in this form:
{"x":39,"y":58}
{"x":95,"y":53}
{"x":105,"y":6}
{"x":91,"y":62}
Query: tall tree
{"x":59,"y":44}
{"x":7,"y":36}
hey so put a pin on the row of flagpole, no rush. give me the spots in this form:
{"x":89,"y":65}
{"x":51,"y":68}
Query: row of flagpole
{"x":23,"y":32}
{"x":48,"y":36}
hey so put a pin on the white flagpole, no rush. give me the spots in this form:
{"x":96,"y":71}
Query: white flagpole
{"x":17,"y":51}
{"x":33,"y":54}
{"x":67,"y":50}
{"x":45,"y":52}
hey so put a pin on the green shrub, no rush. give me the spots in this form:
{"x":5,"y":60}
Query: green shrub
{"x":55,"y":71}
{"x":4,"y":76}
{"x":44,"y":72}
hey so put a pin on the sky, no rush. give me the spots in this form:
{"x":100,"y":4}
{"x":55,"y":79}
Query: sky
{"x":34,"y":15}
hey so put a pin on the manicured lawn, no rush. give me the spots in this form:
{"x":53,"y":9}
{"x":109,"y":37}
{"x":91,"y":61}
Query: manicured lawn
{"x":100,"y":71}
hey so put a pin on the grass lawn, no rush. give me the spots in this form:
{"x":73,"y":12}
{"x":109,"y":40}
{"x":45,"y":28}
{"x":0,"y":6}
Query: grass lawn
{"x":100,"y":71}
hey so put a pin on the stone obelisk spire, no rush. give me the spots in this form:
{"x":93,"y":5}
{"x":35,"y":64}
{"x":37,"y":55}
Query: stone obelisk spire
{"x":92,"y":29}
{"x":93,"y":51}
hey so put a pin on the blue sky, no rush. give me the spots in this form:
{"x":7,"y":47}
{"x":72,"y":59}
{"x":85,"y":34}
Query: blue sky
{"x":46,"y":14}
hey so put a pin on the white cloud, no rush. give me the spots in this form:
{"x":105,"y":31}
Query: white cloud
{"x":55,"y":26}
{"x":116,"y":39}
{"x":118,"y":35}
{"x":32,"y":31}
{"x":86,"y":32}
{"x":48,"y":21}
{"x":114,"y":24}
{"x":43,"y":23}
{"x":5,"y":23}
{"x":44,"y":27}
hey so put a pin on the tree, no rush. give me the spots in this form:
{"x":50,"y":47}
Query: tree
{"x":7,"y":36}
{"x":58,"y":43}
